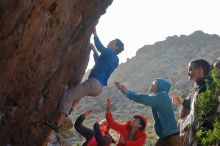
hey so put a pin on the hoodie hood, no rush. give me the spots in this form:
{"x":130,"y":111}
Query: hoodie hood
{"x":163,"y":85}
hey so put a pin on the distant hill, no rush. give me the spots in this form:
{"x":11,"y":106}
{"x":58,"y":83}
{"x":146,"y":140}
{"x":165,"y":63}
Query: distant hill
{"x":165,"y":59}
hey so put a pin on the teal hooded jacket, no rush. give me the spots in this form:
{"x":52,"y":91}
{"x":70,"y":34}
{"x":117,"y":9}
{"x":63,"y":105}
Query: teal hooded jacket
{"x":161,"y":106}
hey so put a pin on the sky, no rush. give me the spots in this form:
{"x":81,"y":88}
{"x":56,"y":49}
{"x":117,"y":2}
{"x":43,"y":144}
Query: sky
{"x":143,"y":22}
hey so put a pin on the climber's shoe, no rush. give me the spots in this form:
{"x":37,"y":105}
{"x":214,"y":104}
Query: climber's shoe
{"x":67,"y":125}
{"x":53,"y":125}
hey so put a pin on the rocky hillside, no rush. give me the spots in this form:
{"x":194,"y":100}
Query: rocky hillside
{"x":166,"y":59}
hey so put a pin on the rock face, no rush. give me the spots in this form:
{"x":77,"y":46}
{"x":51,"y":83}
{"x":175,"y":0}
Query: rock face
{"x":43,"y":50}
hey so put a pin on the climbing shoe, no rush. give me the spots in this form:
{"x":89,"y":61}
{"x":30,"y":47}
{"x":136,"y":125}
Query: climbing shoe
{"x":53,"y":125}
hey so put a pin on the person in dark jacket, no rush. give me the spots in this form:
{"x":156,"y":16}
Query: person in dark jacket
{"x":98,"y":136}
{"x":198,"y":72}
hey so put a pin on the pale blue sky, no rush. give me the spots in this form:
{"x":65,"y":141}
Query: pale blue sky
{"x":141,"y":22}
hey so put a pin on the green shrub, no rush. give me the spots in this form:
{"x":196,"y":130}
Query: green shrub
{"x":206,"y":109}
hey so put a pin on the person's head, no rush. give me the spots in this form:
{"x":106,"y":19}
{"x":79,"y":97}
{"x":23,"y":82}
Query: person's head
{"x":104,"y":126}
{"x":153,"y":86}
{"x":116,"y":45}
{"x":138,"y":122}
{"x":160,"y":85}
{"x":198,"y":69}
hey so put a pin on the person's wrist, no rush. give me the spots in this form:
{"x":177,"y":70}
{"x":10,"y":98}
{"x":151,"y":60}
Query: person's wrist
{"x":125,"y":92}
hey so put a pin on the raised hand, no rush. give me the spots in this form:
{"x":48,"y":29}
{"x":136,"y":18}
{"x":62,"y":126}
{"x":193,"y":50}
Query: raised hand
{"x":121,"y":87}
{"x":177,"y":100}
{"x":87,"y":112}
{"x":107,"y":104}
{"x":117,"y":84}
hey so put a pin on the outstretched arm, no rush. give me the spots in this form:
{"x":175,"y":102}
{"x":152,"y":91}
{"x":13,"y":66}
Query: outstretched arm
{"x":137,"y":97}
{"x":142,"y":98}
{"x":95,"y":53}
{"x":100,"y":47}
{"x":111,"y":122}
{"x":82,"y":130}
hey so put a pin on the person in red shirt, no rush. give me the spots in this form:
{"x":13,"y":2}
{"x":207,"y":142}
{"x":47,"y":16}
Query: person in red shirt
{"x":132,"y":133}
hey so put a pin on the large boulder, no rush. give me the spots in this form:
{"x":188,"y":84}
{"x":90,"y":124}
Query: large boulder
{"x":43,"y":50}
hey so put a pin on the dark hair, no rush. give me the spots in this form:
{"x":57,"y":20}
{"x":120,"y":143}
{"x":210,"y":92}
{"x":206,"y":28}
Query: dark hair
{"x":143,"y":124}
{"x":120,"y":46}
{"x":201,"y":63}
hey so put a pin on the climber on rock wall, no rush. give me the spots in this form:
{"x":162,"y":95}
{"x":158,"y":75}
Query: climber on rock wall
{"x":105,"y":64}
